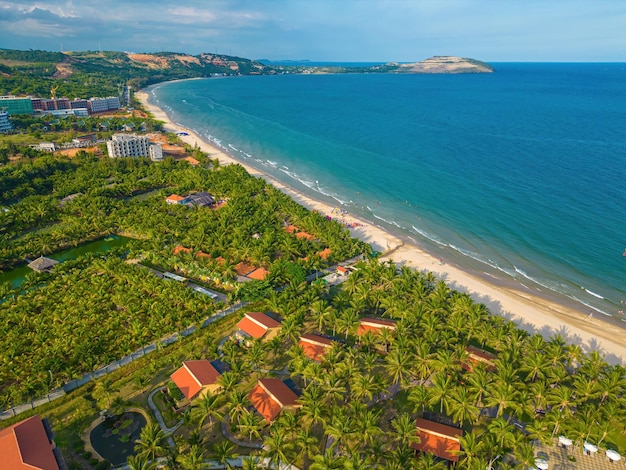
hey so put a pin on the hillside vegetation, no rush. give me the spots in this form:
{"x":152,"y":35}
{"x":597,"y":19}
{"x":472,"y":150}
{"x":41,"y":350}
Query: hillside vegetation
{"x":91,"y":73}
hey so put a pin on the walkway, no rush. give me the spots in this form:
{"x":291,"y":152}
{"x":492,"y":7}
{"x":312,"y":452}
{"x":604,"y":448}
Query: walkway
{"x":168,"y":431}
{"x":225,"y":426}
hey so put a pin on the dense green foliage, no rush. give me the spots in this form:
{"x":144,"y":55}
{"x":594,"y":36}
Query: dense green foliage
{"x":91,"y":73}
{"x":127,"y":195}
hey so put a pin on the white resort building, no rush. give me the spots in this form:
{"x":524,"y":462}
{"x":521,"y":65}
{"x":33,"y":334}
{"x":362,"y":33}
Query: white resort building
{"x":124,"y":145}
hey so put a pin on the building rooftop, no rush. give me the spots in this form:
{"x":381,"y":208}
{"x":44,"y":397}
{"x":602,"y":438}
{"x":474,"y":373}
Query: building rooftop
{"x":26,"y":445}
{"x":194,"y":375}
{"x":314,"y":346}
{"x":438,"y":439}
{"x":256,"y":324}
{"x":258,"y":274}
{"x":374,"y":325}
{"x":42,"y":264}
{"x":270,"y":396}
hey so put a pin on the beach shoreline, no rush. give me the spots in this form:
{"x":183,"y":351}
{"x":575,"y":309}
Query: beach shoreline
{"x":531,"y":312}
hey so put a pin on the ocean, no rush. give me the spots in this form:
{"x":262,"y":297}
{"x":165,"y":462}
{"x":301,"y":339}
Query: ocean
{"x":519,"y":175}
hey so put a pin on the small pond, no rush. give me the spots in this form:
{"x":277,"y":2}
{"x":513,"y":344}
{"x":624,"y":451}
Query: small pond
{"x":114,"y":438}
{"x":102,"y":245}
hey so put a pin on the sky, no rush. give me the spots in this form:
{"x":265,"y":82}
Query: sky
{"x":326,"y":30}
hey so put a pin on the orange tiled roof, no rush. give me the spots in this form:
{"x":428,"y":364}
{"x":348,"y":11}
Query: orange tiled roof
{"x":194,"y":375}
{"x":203,"y":255}
{"x":270,"y":396}
{"x":243,"y":269}
{"x":476,"y":355}
{"x":259,"y":274}
{"x":175,"y":197}
{"x":438,"y":439}
{"x":25,"y":445}
{"x":305,"y":235}
{"x":374,"y":325}
{"x":314,"y":346}
{"x":325,"y":253}
{"x":291,"y":229}
{"x":181,"y":249}
{"x":256,"y":324}
{"x":192,"y":161}
{"x":342,"y":270}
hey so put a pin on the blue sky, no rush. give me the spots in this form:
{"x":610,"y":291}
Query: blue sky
{"x":330,"y":30}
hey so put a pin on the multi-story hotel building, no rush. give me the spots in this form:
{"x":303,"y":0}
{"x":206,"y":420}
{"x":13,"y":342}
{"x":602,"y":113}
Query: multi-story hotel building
{"x":5,"y":124}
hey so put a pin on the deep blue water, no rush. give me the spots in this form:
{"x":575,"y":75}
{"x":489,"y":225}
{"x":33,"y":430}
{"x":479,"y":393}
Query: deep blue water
{"x":519,"y":173}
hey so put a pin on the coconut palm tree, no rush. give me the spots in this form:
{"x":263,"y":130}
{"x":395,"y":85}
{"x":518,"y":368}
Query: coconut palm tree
{"x":207,"y":407}
{"x":140,"y":463}
{"x":151,"y":443}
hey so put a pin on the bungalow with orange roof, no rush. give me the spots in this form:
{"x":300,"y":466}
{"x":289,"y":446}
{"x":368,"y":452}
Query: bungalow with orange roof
{"x":258,"y":325}
{"x":271,"y":396}
{"x":196,"y":378}
{"x":181,"y":249}
{"x":242,"y":269}
{"x":299,"y":234}
{"x":258,"y":274}
{"x":325,"y":253}
{"x":175,"y":199}
{"x":314,"y":346}
{"x":439,"y":439}
{"x":476,"y":356}
{"x":192,"y":161}
{"x":28,"y":445}
{"x":375,"y":325}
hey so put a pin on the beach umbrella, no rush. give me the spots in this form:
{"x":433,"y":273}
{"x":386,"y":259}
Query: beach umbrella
{"x":564,"y":441}
{"x":590,"y":448}
{"x":612,"y":455}
{"x":541,"y":464}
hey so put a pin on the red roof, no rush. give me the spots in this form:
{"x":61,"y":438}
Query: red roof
{"x":438,"y":439}
{"x":374,"y":325}
{"x":256,"y":324}
{"x":243,"y":269}
{"x":314,"y":346}
{"x":342,"y":270}
{"x":175,"y":197}
{"x":270,"y":396}
{"x":476,"y":355}
{"x":203,"y":255}
{"x":325,"y":253}
{"x":181,"y":249}
{"x":25,"y":445}
{"x":192,"y":161}
{"x":259,"y":274}
{"x":194,"y":375}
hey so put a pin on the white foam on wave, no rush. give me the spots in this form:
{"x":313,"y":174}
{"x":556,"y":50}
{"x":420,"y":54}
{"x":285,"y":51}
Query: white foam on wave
{"x":233,"y":147}
{"x":593,"y":293}
{"x":272,"y":163}
{"x":383,"y":219}
{"x":590,"y":306}
{"x":428,"y":236}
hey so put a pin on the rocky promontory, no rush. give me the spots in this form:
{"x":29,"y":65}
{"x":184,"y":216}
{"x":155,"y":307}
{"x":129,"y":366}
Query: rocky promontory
{"x":441,"y":64}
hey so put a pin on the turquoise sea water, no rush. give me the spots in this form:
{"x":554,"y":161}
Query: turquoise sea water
{"x":519,"y":174}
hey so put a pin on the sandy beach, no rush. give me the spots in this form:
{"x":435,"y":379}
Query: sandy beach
{"x":530,"y":312}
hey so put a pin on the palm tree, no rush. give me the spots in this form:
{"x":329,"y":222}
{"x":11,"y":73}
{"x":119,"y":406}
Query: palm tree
{"x":207,"y":407}
{"x":151,"y":442}
{"x":193,"y":458}
{"x":406,"y":430}
{"x":307,"y":445}
{"x":135,"y":462}
{"x":462,"y":407}
{"x":471,"y":449}
{"x":277,"y":447}
{"x":250,"y":425}
{"x":224,"y":451}
{"x":326,"y":461}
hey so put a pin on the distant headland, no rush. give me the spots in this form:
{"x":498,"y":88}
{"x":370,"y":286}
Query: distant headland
{"x":441,"y":64}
